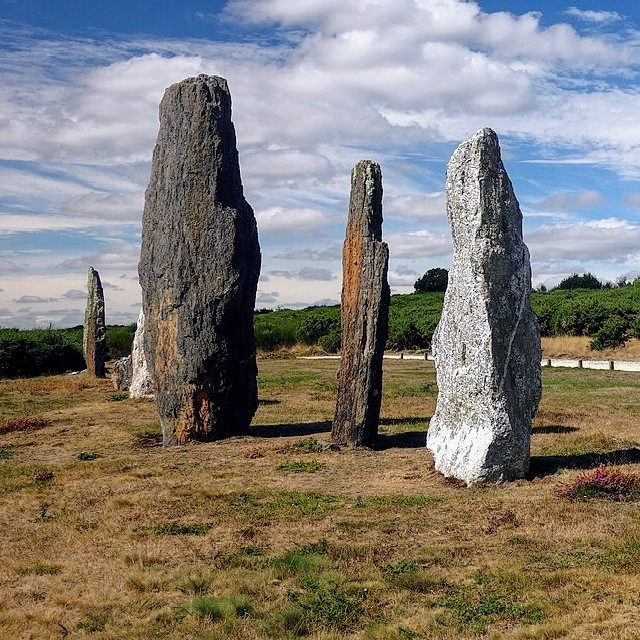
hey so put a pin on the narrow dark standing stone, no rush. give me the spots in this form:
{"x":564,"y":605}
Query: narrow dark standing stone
{"x":487,"y":344}
{"x":364,"y":312}
{"x":94,"y":338}
{"x":199,"y":268}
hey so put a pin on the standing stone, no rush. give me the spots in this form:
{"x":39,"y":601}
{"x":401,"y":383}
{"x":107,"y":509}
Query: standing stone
{"x":121,"y":372}
{"x":487,"y":344}
{"x":199,"y":268}
{"x":364,"y":311}
{"x":141,"y":385}
{"x":94,"y":338}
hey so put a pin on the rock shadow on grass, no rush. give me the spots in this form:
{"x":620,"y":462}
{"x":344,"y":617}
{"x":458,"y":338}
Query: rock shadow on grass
{"x":548,"y":465}
{"x":553,"y":428}
{"x":293,"y":429}
{"x":402,"y":440}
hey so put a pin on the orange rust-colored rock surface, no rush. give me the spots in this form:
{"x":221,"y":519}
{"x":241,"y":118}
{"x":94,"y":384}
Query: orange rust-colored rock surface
{"x":364,"y":312}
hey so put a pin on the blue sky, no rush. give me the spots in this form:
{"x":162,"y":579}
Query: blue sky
{"x":316,"y":86}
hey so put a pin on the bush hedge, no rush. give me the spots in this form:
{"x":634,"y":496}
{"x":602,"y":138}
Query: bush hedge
{"x":610,"y":316}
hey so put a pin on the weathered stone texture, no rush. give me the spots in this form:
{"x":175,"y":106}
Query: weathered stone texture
{"x":199,"y":268}
{"x":121,"y":374}
{"x":487,"y":344}
{"x":364,"y":312}
{"x":141,"y":384}
{"x":94,"y":337}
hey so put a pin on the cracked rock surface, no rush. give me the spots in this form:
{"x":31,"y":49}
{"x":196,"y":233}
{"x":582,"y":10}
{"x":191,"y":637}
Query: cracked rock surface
{"x":487,"y":344}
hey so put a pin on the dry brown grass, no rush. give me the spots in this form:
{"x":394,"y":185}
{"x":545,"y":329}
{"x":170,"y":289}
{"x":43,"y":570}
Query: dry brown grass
{"x":123,"y":545}
{"x":578,"y":347}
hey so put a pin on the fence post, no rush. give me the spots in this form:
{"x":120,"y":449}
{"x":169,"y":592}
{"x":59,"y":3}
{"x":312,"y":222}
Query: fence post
{"x":611,"y":365}
{"x":579,"y":364}
{"x":548,"y":362}
{"x":401,"y":356}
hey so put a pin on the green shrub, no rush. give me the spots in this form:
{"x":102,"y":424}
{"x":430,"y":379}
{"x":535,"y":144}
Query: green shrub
{"x":315,"y":327}
{"x":120,"y":340}
{"x":37,"y":352}
{"x":332,"y":341}
{"x":584,"y":281}
{"x":409,"y":337}
{"x":613,"y":333}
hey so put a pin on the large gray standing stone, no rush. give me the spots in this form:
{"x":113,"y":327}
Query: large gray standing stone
{"x":364,"y":311}
{"x":94,"y":337}
{"x":199,"y":268}
{"x":487,"y":344}
{"x":141,"y":385}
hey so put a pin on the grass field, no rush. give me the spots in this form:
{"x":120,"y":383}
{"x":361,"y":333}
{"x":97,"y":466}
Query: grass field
{"x":107,"y":535}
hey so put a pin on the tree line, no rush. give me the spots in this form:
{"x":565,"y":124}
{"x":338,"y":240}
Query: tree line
{"x":580,"y":305}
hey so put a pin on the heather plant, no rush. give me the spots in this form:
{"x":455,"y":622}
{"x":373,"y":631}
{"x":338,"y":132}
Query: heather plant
{"x":44,"y":476}
{"x":23,"y":424}
{"x":603,"y":482}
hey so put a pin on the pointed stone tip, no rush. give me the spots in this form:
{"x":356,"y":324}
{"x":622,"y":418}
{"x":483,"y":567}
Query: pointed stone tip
{"x":485,"y":132}
{"x":367,"y":168}
{"x":484,"y":141}
{"x":204,"y":78}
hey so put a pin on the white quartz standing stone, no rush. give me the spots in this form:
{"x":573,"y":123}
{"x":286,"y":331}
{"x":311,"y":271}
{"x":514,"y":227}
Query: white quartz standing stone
{"x":487,"y":344}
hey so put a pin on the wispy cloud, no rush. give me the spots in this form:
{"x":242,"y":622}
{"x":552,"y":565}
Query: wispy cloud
{"x":599,"y":17}
{"x":563,"y":200}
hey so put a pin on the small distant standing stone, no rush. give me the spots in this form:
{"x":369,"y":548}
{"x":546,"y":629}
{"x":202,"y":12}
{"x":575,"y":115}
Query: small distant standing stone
{"x":364,"y":312}
{"x":487,"y":344}
{"x":199,"y":268}
{"x":94,"y":338}
{"x":141,"y":384}
{"x":121,"y":373}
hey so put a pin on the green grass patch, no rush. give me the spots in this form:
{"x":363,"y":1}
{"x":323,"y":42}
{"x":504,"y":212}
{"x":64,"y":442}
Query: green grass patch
{"x":397,"y":501}
{"x":309,"y":558}
{"x":118,"y":397}
{"x":320,"y":604}
{"x":475,"y":607}
{"x":197,"y":584}
{"x":623,"y":556}
{"x":300,"y":466}
{"x":7,"y":452}
{"x":308,"y":445}
{"x":94,"y":621}
{"x":181,"y":529}
{"x":221,"y":608}
{"x":40,"y":569}
{"x":86,"y":456}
